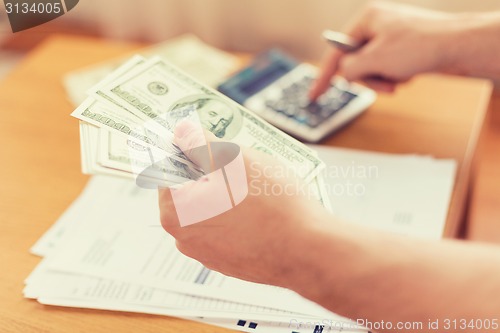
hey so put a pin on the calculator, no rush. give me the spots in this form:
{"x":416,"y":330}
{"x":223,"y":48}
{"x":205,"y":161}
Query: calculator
{"x":276,"y":87}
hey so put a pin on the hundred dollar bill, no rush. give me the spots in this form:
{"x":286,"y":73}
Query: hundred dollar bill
{"x":121,"y":70}
{"x":156,"y":89}
{"x":106,"y":153}
{"x":119,"y":153}
{"x":183,"y":51}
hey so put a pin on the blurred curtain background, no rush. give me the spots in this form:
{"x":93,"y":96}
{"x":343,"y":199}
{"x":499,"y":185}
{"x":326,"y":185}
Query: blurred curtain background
{"x":233,"y":25}
{"x":239,"y":25}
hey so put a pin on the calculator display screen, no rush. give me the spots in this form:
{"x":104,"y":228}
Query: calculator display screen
{"x":264,"y":78}
{"x":262,"y":72}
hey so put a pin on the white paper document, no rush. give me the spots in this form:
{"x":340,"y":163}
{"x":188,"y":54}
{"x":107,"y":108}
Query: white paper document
{"x":403,"y":194}
{"x":108,"y":251}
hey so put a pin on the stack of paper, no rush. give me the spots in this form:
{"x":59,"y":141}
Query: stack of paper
{"x":108,"y":251}
{"x":184,"y":52}
{"x":403,"y":194}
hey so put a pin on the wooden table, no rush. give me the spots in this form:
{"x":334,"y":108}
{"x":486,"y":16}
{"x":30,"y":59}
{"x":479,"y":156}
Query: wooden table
{"x":484,"y":216}
{"x":40,"y":169}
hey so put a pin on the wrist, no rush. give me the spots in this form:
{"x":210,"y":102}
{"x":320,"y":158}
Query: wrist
{"x":346,"y":268}
{"x":332,"y":258}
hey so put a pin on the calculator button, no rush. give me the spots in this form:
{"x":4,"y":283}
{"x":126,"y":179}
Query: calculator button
{"x":302,"y":116}
{"x":347,"y":96}
{"x":314,"y":120}
{"x":277,"y":105}
{"x":293,"y":103}
{"x":313,"y":108}
{"x":292,"y":110}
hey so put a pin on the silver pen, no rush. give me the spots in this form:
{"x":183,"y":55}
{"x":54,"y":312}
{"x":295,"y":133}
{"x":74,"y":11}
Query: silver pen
{"x":342,"y":41}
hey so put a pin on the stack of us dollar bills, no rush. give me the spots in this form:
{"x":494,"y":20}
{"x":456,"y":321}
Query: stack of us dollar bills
{"x":127,"y":124}
{"x":107,"y":251}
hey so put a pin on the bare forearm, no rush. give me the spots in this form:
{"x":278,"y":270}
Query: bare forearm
{"x":475,"y":45}
{"x":380,"y":277}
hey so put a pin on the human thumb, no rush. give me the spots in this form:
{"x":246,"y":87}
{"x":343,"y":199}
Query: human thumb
{"x":196,"y":143}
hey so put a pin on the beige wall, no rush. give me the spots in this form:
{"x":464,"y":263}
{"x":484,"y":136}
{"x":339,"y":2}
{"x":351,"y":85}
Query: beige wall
{"x":244,"y":25}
